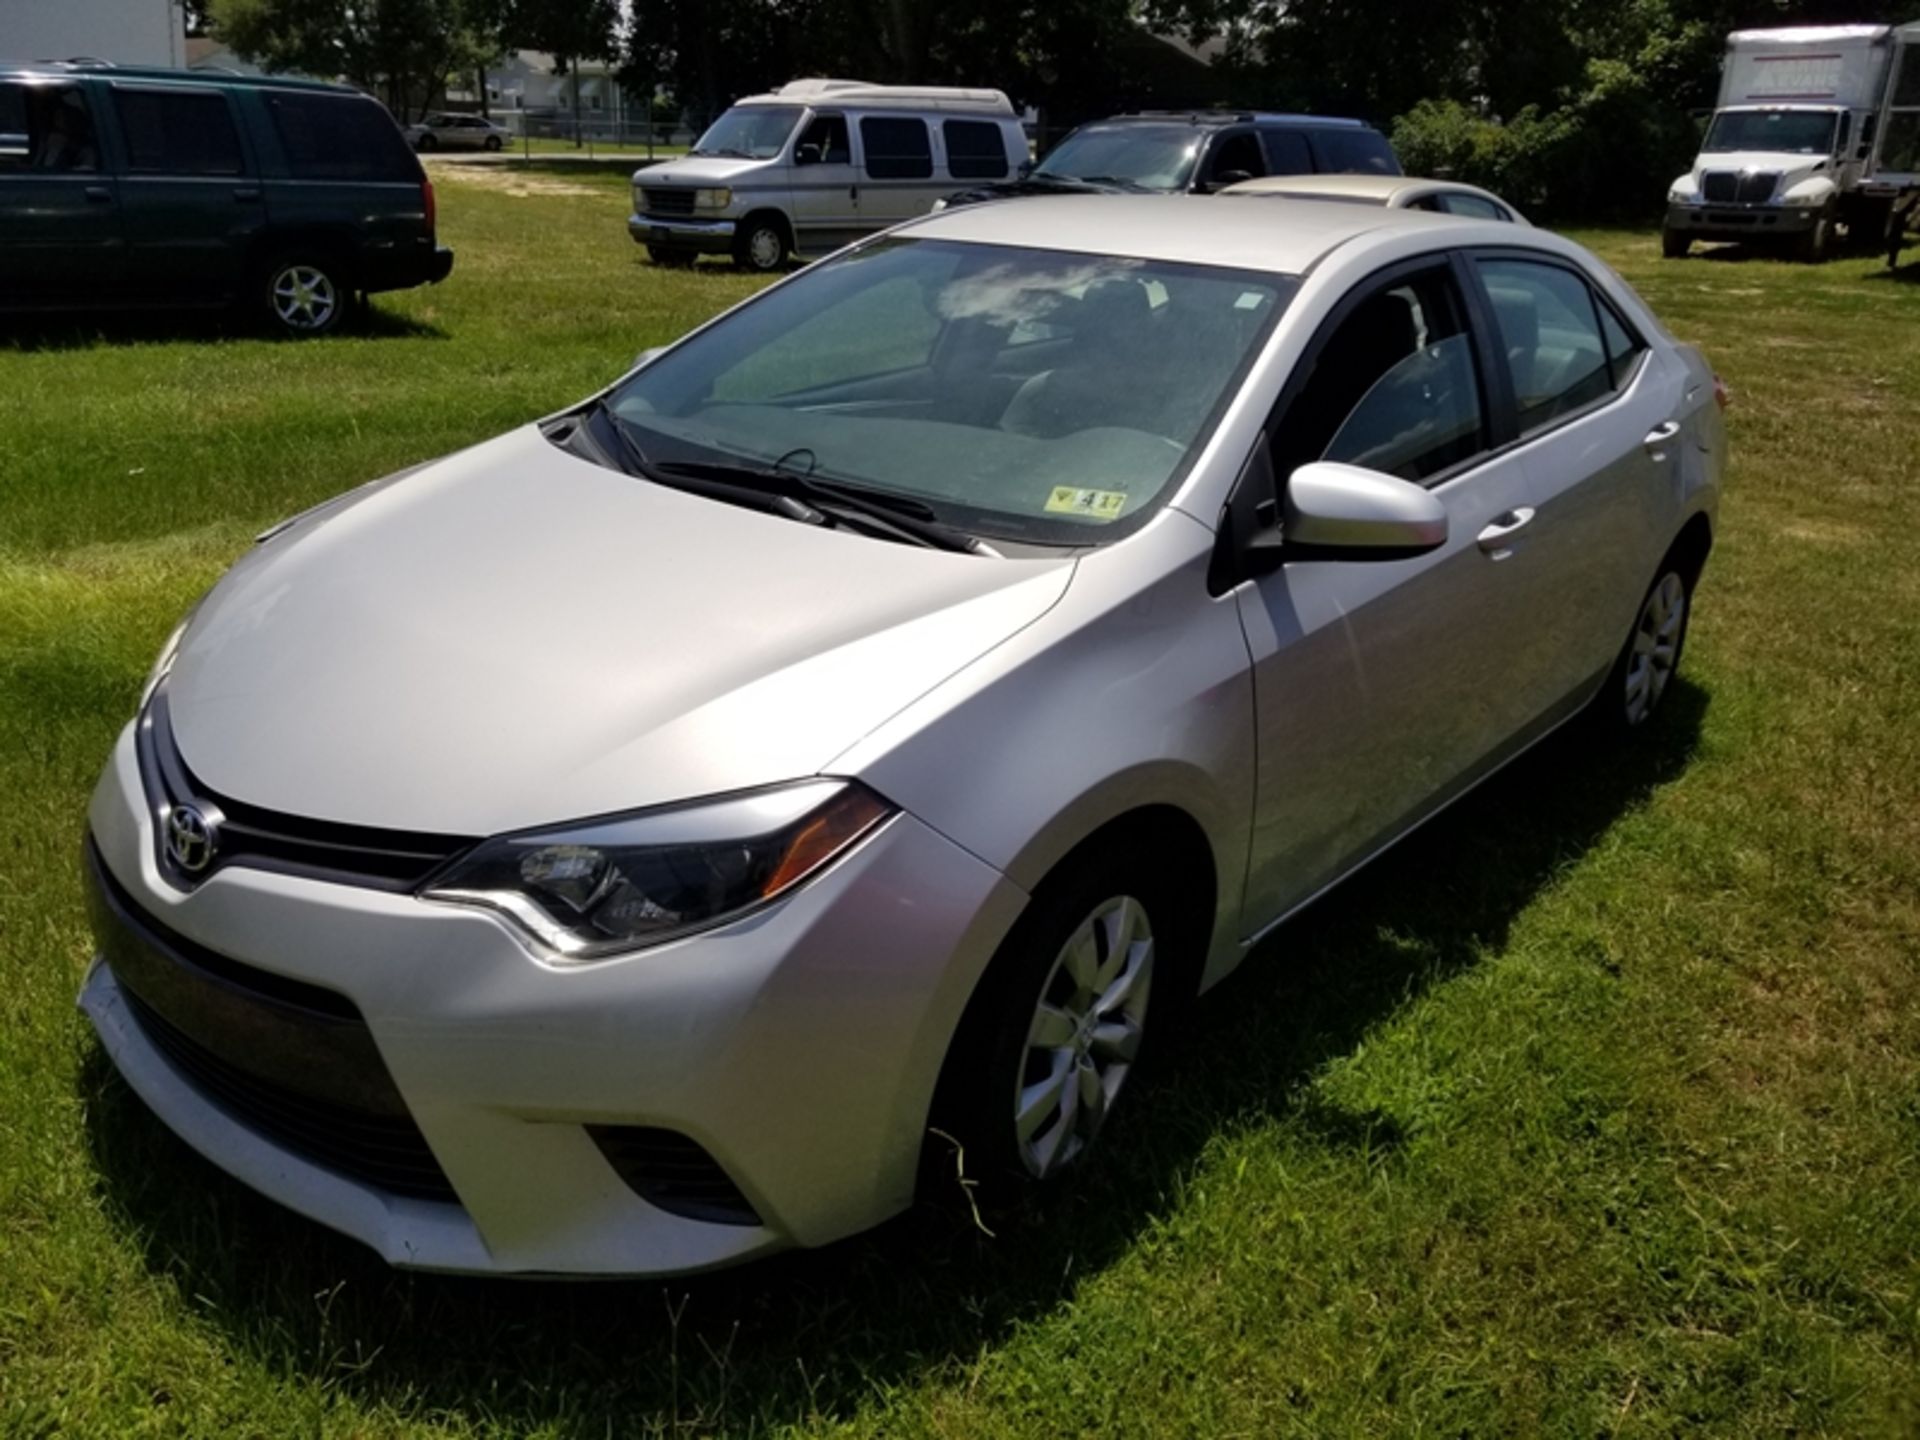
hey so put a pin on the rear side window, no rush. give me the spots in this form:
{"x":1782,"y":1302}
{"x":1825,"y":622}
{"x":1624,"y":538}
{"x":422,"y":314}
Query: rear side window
{"x":1353,"y":152}
{"x":340,"y":137}
{"x":46,"y":128}
{"x":896,"y":149}
{"x":975,"y":150}
{"x":178,"y":132}
{"x":1549,"y":324}
{"x":1287,"y":152}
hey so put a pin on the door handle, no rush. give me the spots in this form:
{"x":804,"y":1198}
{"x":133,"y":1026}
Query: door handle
{"x":1503,"y":528}
{"x":246,"y":192}
{"x":99,"y":194}
{"x":1659,"y":437}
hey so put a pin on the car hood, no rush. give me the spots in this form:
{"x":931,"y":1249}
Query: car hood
{"x":515,"y":636}
{"x":1790,"y":166}
{"x":698,"y":170}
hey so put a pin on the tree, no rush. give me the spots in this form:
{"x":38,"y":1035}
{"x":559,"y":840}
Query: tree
{"x":403,"y":50}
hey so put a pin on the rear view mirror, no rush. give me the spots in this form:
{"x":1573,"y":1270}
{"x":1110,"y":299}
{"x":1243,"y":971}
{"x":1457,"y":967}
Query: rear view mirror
{"x":1332,"y":511}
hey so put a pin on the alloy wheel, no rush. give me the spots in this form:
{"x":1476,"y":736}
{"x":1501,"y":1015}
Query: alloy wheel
{"x":1656,"y":646}
{"x":304,"y":298}
{"x":1084,"y":1036}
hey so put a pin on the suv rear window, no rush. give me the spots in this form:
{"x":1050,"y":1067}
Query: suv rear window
{"x":1353,"y":152}
{"x":341,"y":137}
{"x":178,"y":132}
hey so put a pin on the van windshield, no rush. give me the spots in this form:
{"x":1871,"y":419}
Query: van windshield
{"x":1783,"y":132}
{"x":749,"y":132}
{"x":1151,"y":157}
{"x":1025,"y":395}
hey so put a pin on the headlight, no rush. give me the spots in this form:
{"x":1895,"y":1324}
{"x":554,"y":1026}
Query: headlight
{"x":1816,"y":198}
{"x":1677,"y":196}
{"x":608,"y":886}
{"x":712,"y":199}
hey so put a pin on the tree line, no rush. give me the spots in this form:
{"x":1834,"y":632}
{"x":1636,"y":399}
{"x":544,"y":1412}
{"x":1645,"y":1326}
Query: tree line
{"x":1574,"y":108}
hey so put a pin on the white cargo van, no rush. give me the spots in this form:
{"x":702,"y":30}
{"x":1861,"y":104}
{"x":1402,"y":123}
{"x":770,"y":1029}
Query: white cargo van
{"x":817,"y":164}
{"x":1817,"y":127}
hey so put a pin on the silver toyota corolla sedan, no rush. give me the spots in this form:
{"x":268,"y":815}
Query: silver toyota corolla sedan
{"x":613,"y":848}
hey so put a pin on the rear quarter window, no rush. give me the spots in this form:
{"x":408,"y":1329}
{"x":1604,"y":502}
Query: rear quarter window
{"x":975,"y":149}
{"x":1353,"y":152}
{"x":341,"y":137}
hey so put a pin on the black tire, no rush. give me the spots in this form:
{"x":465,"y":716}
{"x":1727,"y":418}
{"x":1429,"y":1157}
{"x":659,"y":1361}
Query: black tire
{"x":1619,"y":710}
{"x":1675,"y":245}
{"x":303,"y":294}
{"x":993,"y":1054}
{"x":492,"y":142}
{"x":1815,"y":245}
{"x":426,"y":142}
{"x":761,"y":245}
{"x":670,"y":258}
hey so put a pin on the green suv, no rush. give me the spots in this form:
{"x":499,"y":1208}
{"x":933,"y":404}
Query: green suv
{"x":124,"y":187}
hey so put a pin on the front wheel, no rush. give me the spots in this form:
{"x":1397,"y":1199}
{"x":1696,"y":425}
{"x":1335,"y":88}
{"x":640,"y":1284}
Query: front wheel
{"x":1815,"y":244}
{"x":760,"y":246}
{"x":426,"y":142}
{"x":1644,"y":671}
{"x":1674,"y":245}
{"x":493,"y":142}
{"x":304,"y":295}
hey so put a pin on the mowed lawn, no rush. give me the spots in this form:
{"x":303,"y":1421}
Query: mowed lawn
{"x":1594,"y":1109}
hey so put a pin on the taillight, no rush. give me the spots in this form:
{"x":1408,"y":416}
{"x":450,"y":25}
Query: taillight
{"x":427,"y":204}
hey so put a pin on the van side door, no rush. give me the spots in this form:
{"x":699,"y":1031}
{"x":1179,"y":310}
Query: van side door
{"x":191,"y":194}
{"x":897,"y":164}
{"x":60,"y":234}
{"x":826,"y":186}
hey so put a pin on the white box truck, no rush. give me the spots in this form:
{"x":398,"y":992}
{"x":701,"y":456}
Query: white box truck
{"x":1817,"y":128}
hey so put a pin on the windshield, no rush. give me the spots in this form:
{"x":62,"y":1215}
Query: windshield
{"x":1157,"y":157}
{"x":751,"y":132}
{"x":1787,"y":132}
{"x":1025,"y":395}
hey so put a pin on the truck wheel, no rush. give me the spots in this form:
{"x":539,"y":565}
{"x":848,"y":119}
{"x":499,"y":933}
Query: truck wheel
{"x":1675,"y":245}
{"x":671,"y":259}
{"x":304,"y":294}
{"x":760,"y":245}
{"x":1815,"y":244}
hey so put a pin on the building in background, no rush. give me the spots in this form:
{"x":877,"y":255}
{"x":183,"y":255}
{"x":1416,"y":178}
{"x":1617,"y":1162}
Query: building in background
{"x":127,"y":32}
{"x":523,"y":87}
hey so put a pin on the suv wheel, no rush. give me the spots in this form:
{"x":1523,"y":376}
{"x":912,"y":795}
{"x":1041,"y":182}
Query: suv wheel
{"x":304,"y":295}
{"x":760,"y":246}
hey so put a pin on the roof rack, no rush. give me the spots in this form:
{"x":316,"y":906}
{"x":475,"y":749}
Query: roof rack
{"x":1241,"y":117}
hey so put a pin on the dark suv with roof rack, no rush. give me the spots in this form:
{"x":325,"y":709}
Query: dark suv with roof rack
{"x":1196,"y":151}
{"x":124,"y":187}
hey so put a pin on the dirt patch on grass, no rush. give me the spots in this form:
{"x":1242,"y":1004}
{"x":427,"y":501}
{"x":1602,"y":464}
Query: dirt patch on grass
{"x":517,"y":183}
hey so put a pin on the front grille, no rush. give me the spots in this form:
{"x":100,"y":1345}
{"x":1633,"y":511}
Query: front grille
{"x":1723,"y":187}
{"x":671,"y":1171}
{"x":664,"y":201}
{"x":292,"y":1061}
{"x":266,"y":840}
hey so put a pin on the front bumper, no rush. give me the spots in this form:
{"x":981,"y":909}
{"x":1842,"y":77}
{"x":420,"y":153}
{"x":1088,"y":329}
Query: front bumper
{"x":1707,"y":221}
{"x":708,"y":237}
{"x":799,"y":1047}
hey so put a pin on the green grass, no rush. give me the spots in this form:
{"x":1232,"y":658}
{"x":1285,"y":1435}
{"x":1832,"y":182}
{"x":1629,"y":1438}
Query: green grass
{"x":1593,"y":1110}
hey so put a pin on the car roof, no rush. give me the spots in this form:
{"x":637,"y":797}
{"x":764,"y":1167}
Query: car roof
{"x":1352,"y":187}
{"x":1234,"y":117}
{"x":1285,"y":236}
{"x":72,"y":69}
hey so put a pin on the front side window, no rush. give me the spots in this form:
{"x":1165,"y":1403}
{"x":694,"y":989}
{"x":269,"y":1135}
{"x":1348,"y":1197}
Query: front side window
{"x":827,"y":136}
{"x":975,"y":149}
{"x":340,"y":137}
{"x":1020,"y":394}
{"x":1395,"y":388}
{"x":1287,"y":153}
{"x":896,"y":149}
{"x":1780,"y":132}
{"x":1128,"y":154}
{"x":1353,"y":152}
{"x":1549,"y":327}
{"x":749,"y":132}
{"x":178,"y":132}
{"x":47,"y":128}
{"x":1236,"y":157}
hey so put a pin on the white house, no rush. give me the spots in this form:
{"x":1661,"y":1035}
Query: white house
{"x":525,"y":82}
{"x":127,"y":32}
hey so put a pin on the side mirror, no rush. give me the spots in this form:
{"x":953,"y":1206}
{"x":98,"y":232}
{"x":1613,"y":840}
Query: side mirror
{"x":1330,"y":511}
{"x":806,"y":154}
{"x":1223,"y":178}
{"x":645,"y":355}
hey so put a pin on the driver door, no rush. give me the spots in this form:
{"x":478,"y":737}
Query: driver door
{"x":1384,"y":687}
{"x":826,"y":187}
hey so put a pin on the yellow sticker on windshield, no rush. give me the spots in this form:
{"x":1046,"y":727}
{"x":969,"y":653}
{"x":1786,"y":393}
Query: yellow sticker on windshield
{"x":1094,"y":504}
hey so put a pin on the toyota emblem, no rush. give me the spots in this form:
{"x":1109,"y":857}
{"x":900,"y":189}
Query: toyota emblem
{"x":191,"y":839}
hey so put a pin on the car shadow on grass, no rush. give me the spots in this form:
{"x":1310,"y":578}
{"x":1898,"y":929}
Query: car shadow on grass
{"x":819,"y":1333}
{"x":75,"y":330}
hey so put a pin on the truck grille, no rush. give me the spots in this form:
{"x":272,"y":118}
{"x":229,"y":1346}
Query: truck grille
{"x":662,"y":201}
{"x":1723,"y":187}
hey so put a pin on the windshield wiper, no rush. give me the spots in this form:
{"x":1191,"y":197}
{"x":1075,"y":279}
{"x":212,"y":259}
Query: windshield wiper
{"x":1114,"y":180}
{"x":633,"y":459}
{"x":898,"y":515}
